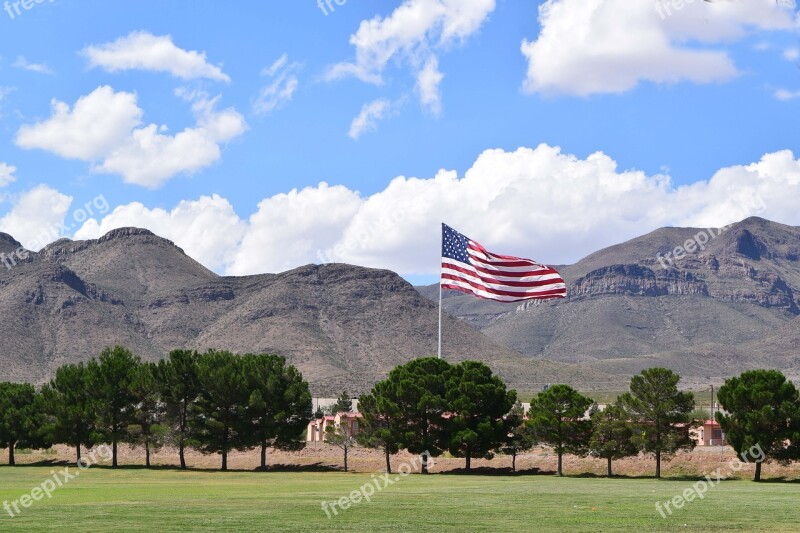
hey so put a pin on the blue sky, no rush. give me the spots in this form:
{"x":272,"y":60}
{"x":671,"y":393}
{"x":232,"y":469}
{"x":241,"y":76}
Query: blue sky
{"x":542,"y":129}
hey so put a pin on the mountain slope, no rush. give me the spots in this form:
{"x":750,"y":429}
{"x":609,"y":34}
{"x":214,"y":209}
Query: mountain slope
{"x":345,"y":327}
{"x":726,"y":307}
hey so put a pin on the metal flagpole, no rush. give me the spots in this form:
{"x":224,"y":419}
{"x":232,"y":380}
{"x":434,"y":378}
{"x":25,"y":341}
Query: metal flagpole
{"x":440,"y":294}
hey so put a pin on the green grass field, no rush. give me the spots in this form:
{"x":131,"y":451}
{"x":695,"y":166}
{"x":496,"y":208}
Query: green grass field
{"x":102,"y":499}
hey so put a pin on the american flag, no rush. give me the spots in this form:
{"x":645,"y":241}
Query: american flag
{"x":469,"y":267}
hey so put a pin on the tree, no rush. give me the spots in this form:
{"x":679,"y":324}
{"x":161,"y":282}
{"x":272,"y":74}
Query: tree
{"x":220,"y":411}
{"x":342,"y":435}
{"x":180,"y":388}
{"x":762,"y":411}
{"x":376,"y":430}
{"x":557,"y":418}
{"x":344,"y":404}
{"x":413,"y":398}
{"x":519,"y":436}
{"x":479,"y":403}
{"x":661,"y":414}
{"x":279,"y":404}
{"x":148,"y":429}
{"x":612,"y":436}
{"x":110,"y":381}
{"x":69,"y":402}
{"x":21,"y":418}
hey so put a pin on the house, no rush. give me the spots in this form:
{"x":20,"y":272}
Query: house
{"x":710,"y":434}
{"x":318,"y":427}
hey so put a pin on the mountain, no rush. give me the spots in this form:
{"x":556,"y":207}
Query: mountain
{"x":343,"y":326}
{"x":730,"y":303}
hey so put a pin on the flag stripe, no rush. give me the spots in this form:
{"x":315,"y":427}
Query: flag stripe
{"x":469,"y":267}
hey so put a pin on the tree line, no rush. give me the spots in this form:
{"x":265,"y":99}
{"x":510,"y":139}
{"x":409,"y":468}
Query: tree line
{"x":430,"y":407}
{"x":216,"y":402}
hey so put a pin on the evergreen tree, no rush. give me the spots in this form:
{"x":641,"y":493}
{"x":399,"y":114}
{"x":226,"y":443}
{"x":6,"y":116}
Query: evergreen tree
{"x":69,"y":401}
{"x":279,"y":404}
{"x":148,"y":429}
{"x":558,"y":419}
{"x":180,"y":389}
{"x":110,"y":379}
{"x":519,"y":436}
{"x":762,"y":413}
{"x":479,"y":403}
{"x":21,"y":418}
{"x":661,"y":414}
{"x":376,"y":429}
{"x":612,"y":436}
{"x":220,"y":413}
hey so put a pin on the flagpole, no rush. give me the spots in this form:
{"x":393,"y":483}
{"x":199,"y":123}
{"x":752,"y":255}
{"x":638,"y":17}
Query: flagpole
{"x":440,"y":295}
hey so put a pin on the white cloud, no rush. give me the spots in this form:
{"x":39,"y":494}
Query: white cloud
{"x":140,"y":50}
{"x":207,"y":229}
{"x":7,"y":174}
{"x":282,"y":86}
{"x":538,"y":203}
{"x":428,"y":82}
{"x":105,"y":128}
{"x":413,"y":34}
{"x":295,"y":227}
{"x":367,"y":120}
{"x":24,"y":64}
{"x":97,"y":123}
{"x":35,"y":218}
{"x":785,"y":95}
{"x":791,"y":54}
{"x":610,"y":46}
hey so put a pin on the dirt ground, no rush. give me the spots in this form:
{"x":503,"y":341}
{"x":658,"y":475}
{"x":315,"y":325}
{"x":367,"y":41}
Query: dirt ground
{"x":318,"y":457}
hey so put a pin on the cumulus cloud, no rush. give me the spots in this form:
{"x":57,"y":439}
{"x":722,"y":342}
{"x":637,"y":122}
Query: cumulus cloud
{"x":24,"y":64}
{"x":92,"y":128}
{"x":140,"y":50}
{"x":532,"y":202}
{"x":367,"y":120}
{"x":7,"y":174}
{"x":105,"y":128}
{"x":207,"y":229}
{"x":283,"y":83}
{"x":413,"y":34}
{"x":37,"y":217}
{"x":609,"y":46}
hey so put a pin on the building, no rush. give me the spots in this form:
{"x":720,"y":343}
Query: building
{"x":318,"y":427}
{"x":710,"y":434}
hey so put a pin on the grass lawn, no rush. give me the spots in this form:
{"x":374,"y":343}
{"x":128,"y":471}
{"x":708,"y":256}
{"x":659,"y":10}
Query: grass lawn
{"x":101,"y":499}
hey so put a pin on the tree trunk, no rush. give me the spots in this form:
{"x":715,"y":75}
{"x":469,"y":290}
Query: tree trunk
{"x":469,"y":461}
{"x":224,"y":461}
{"x":758,"y":472}
{"x":147,"y":454}
{"x":514,"y":462}
{"x":388,"y":461}
{"x":182,"y":455}
{"x":610,"y":474}
{"x":78,"y":454}
{"x":11,"y":460}
{"x":345,"y":458}
{"x":424,"y":464}
{"x":264,"y":456}
{"x":658,"y":464}
{"x":114,"y":453}
{"x":560,"y":471}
